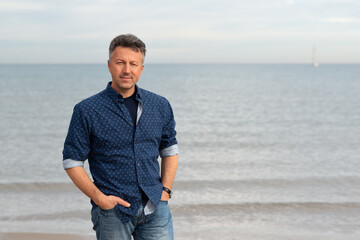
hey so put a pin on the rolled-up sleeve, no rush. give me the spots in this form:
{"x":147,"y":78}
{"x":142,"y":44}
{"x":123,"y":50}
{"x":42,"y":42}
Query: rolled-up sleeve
{"x":77,"y":142}
{"x":69,"y":163}
{"x":168,"y":144}
{"x":170,"y":151}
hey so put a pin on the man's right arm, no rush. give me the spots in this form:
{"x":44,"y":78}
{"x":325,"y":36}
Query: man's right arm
{"x":81,"y":179}
{"x":76,"y":149}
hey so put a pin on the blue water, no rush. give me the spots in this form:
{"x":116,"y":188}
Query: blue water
{"x":269,"y":150}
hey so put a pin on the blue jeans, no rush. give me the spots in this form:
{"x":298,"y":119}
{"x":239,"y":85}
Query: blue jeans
{"x":155,"y":226}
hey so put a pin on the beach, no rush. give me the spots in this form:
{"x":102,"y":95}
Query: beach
{"x":42,"y":236}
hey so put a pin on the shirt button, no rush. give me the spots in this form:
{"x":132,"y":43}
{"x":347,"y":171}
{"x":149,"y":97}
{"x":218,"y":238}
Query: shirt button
{"x":139,"y":164}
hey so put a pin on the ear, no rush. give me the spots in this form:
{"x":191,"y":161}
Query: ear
{"x":108,"y":62}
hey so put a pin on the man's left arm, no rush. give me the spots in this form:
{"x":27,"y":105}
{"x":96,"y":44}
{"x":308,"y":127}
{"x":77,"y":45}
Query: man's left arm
{"x":168,"y":171}
{"x":168,"y":151}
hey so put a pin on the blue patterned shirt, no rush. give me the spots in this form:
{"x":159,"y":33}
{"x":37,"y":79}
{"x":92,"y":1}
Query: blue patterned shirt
{"x":123,"y":158}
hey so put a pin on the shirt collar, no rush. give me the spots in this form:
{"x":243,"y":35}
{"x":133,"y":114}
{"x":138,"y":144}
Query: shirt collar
{"x":139,"y":93}
{"x":115,"y":95}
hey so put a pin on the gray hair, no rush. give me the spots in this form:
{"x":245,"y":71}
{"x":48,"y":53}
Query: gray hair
{"x":128,"y":41}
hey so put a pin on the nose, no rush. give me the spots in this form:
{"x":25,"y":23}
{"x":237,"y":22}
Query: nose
{"x":126,"y":68}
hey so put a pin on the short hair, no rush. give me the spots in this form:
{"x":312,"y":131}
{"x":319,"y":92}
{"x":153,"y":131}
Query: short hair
{"x":128,"y":41}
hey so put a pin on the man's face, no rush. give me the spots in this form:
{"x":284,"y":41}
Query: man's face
{"x":125,"y":67}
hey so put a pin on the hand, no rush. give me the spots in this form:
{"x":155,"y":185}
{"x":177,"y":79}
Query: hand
{"x":165,"y":196}
{"x":109,"y":202}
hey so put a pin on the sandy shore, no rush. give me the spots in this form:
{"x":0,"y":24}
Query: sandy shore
{"x":43,"y":236}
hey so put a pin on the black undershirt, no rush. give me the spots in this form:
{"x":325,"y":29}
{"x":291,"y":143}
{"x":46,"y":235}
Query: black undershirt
{"x":132,"y":105}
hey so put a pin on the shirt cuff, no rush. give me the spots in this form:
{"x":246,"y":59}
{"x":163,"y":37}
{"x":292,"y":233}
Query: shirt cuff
{"x":69,"y":163}
{"x":169,"y":151}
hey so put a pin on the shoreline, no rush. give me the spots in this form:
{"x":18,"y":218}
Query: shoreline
{"x":42,"y":236}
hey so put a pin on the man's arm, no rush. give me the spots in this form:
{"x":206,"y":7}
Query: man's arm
{"x":81,"y":179}
{"x":168,"y":172}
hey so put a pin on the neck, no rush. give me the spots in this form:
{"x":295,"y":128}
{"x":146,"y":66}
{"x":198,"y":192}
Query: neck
{"x":125,"y":93}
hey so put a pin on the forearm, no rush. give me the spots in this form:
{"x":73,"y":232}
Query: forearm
{"x":168,"y":170}
{"x":84,"y":183}
{"x":81,"y":179}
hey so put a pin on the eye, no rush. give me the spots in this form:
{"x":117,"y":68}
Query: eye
{"x":133,"y":64}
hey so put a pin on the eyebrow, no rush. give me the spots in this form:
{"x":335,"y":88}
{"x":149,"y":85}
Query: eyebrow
{"x":121,"y":59}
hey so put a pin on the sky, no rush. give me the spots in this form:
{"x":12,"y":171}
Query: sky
{"x":187,"y":31}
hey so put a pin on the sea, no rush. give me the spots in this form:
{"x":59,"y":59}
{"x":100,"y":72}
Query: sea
{"x":267,"y":151}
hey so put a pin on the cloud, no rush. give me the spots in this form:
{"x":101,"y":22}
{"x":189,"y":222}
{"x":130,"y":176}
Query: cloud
{"x":175,"y":30}
{"x":21,"y":6}
{"x":88,"y":36}
{"x":341,"y":20}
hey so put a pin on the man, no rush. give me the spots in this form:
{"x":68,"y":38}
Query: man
{"x":122,"y":131}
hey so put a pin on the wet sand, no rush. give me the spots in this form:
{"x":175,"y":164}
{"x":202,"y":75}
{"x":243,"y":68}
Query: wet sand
{"x":43,"y":236}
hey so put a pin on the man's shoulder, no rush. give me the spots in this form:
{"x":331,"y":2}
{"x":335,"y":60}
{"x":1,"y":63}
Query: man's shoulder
{"x":153,"y":97}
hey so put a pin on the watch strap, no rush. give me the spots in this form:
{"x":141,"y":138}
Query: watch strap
{"x":168,"y":191}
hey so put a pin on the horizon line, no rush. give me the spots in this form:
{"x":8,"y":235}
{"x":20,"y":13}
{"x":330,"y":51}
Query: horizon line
{"x":199,"y":63}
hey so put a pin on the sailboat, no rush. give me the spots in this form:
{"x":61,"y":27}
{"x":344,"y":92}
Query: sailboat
{"x":315,"y":61}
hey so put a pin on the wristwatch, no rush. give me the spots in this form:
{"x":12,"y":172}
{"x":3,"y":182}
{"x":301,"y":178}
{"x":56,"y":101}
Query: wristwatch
{"x":168,"y":191}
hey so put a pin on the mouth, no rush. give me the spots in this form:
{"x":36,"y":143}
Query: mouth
{"x":126,"y":77}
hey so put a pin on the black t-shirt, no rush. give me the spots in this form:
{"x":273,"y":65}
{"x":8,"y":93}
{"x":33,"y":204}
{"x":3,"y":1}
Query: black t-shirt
{"x":132,"y":104}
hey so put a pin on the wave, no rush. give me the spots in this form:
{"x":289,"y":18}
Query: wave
{"x":269,"y":205}
{"x":209,"y":209}
{"x":271,"y":182}
{"x":199,"y":184}
{"x":77,"y":214}
{"x":36,"y":186}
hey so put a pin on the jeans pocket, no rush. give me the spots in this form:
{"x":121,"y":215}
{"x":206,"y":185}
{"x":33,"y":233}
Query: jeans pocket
{"x":163,"y":203}
{"x":107,"y":212}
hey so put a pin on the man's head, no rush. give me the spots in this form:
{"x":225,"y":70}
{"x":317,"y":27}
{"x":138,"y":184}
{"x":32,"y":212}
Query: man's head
{"x":126,"y":62}
{"x":128,"y":41}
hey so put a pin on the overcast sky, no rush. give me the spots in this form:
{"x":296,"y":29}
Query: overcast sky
{"x":186,"y":31}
